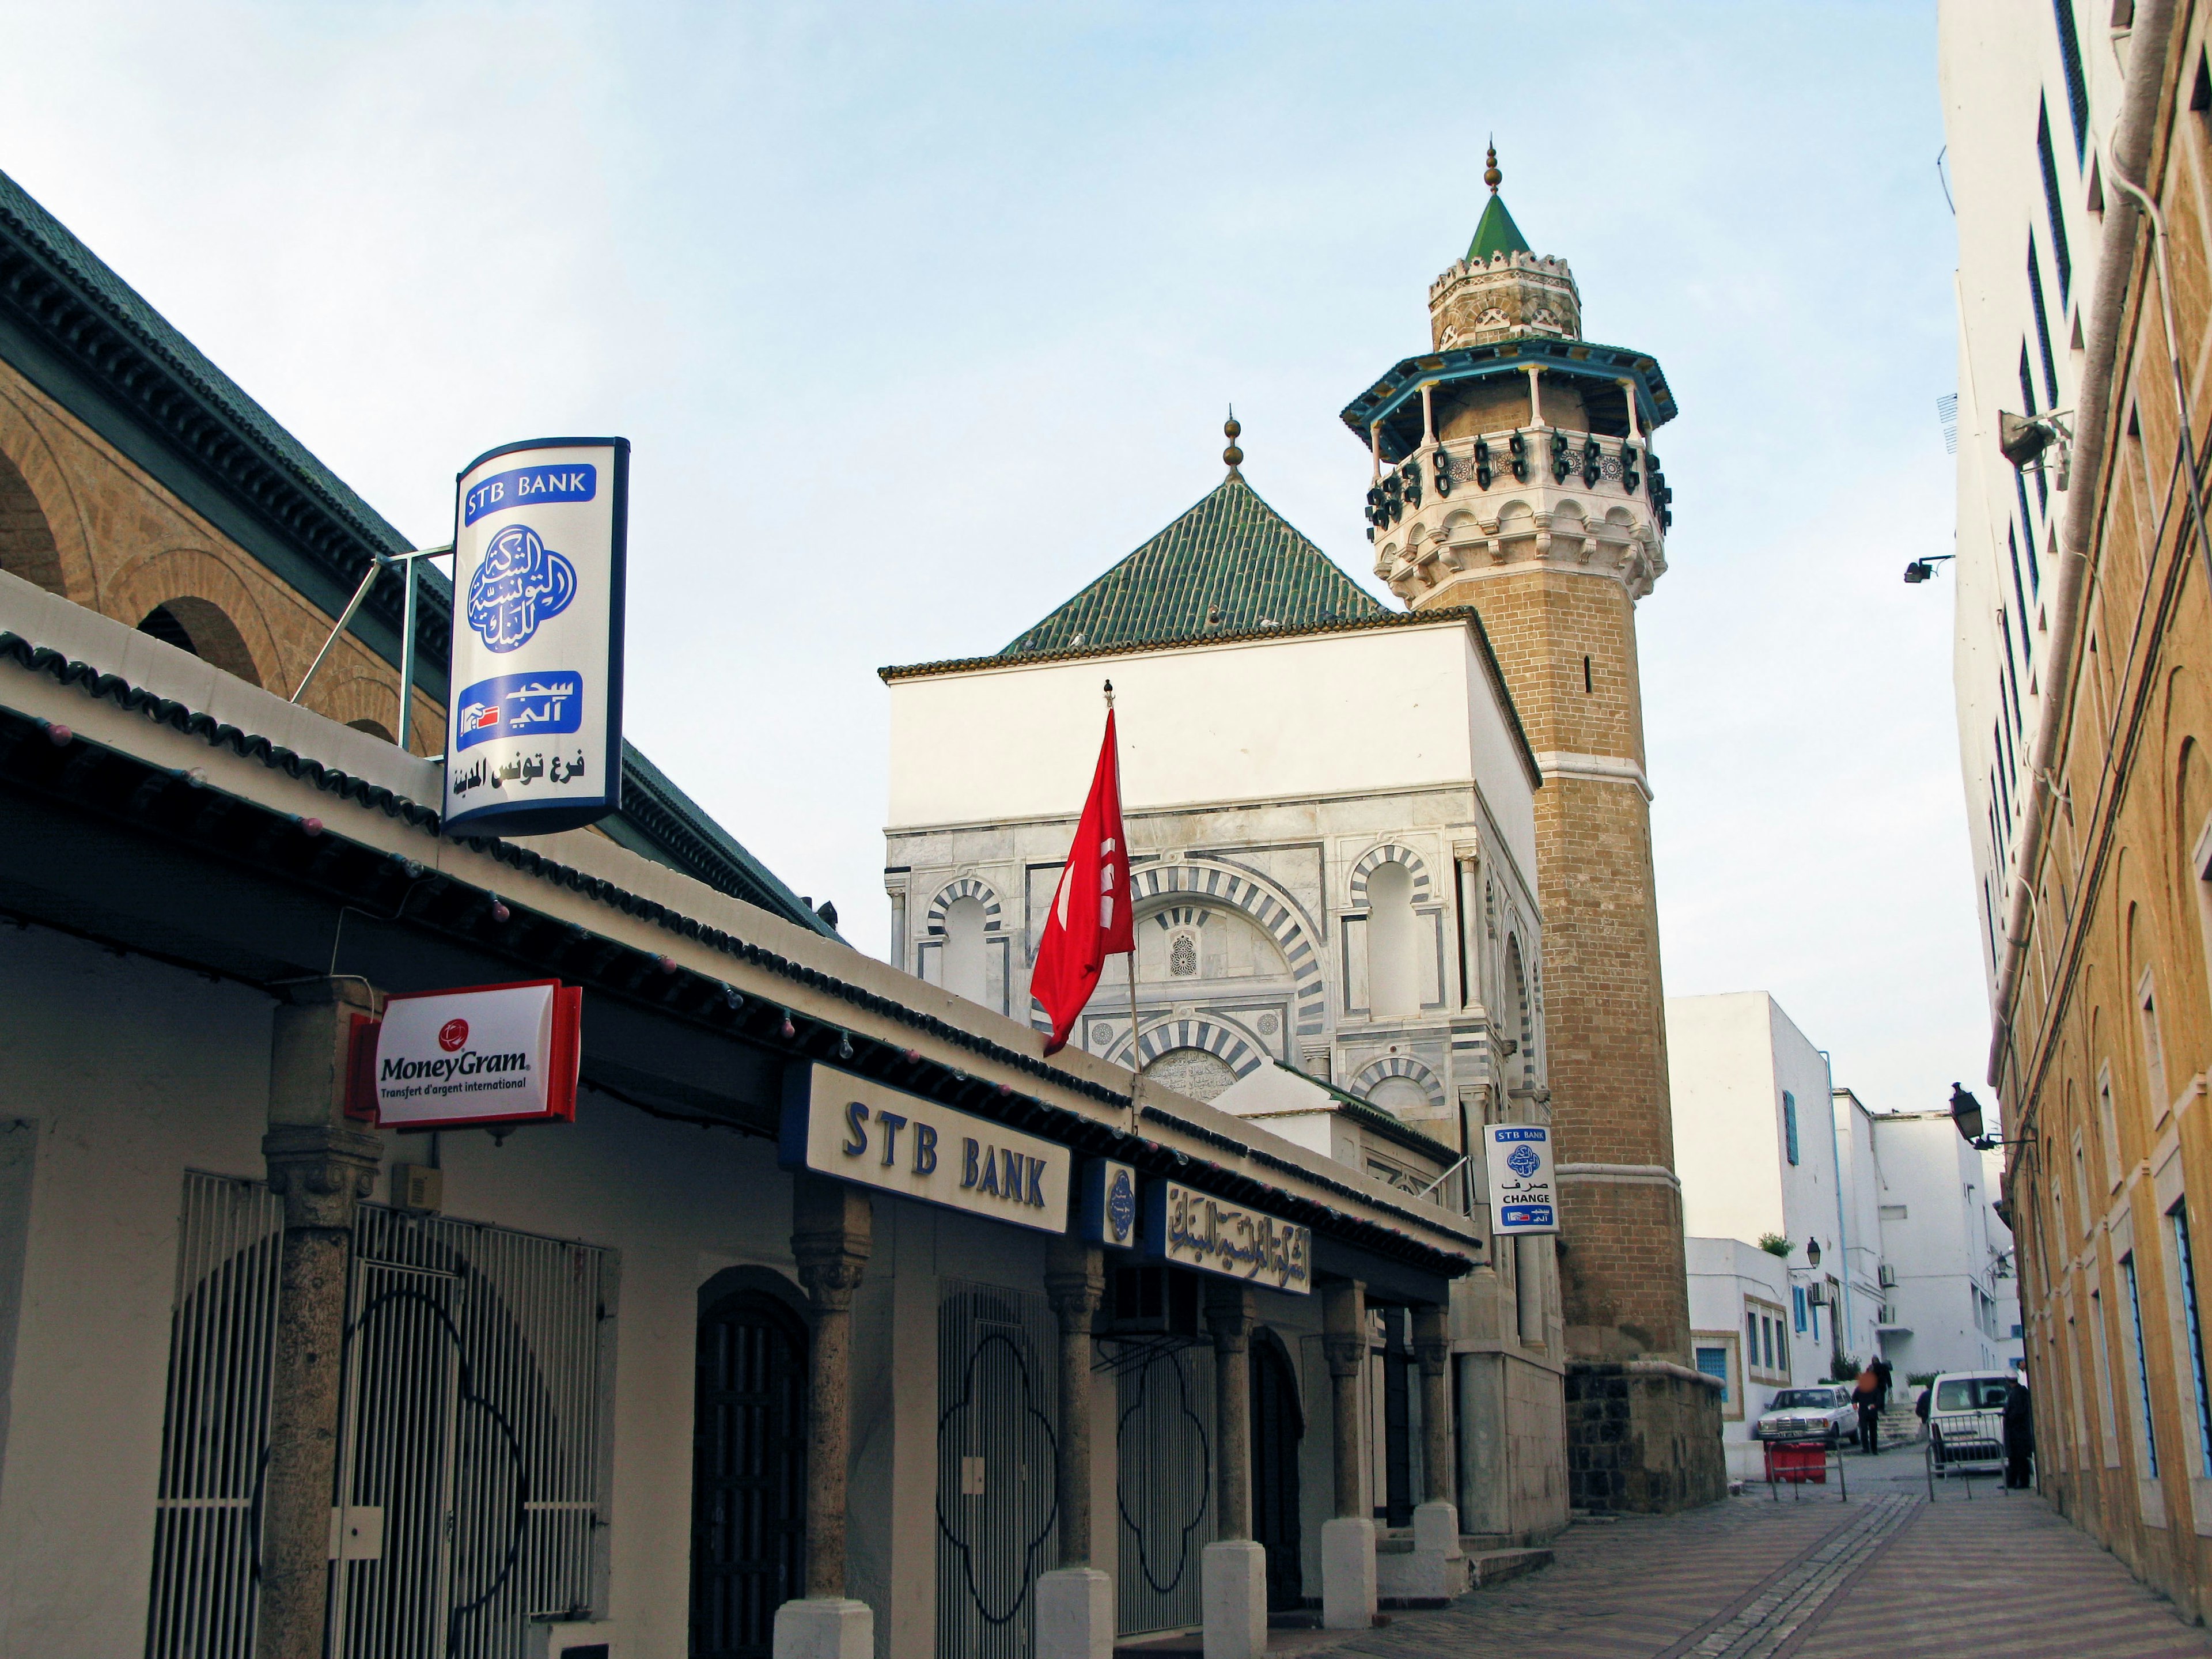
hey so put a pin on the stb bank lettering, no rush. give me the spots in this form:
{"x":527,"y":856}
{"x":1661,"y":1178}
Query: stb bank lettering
{"x":573,"y":481}
{"x":990,"y":1171}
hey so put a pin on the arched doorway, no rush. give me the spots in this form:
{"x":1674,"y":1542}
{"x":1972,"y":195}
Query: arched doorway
{"x":1277,"y":1424}
{"x":748,"y":1473}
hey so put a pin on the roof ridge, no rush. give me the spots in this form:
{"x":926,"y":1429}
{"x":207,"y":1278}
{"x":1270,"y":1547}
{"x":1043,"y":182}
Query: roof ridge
{"x":1229,"y":561}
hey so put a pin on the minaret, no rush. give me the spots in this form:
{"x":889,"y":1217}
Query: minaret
{"x":1513,"y":472}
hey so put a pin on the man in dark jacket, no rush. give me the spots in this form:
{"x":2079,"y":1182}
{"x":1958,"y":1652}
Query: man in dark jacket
{"x":2018,"y":1435}
{"x":1883,"y":1370}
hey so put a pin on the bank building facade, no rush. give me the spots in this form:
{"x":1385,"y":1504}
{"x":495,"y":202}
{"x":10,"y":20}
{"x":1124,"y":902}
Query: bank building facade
{"x":1377,"y":935}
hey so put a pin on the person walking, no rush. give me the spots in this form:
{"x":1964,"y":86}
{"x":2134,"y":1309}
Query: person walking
{"x":2018,"y":1435}
{"x":1883,"y":1369}
{"x":1867,"y":1396}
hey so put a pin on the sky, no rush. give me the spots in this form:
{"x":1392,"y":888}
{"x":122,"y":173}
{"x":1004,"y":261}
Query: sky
{"x":920,"y":317}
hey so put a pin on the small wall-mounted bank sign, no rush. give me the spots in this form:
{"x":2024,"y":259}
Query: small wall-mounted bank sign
{"x":1109,"y":1212}
{"x":1523,"y":1191}
{"x":533,"y":715}
{"x":1190,"y":1228}
{"x":836,"y":1124}
{"x":489,"y":1055}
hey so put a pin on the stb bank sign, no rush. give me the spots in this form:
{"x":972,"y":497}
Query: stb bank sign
{"x":533,"y":716}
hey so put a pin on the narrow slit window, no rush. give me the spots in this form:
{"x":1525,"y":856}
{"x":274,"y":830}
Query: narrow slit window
{"x":2059,"y":254}
{"x":2142,"y":1369}
{"x":2185,"y":1263}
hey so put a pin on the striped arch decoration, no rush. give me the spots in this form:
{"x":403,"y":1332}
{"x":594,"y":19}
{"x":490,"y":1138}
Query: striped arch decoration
{"x":1263,"y":906}
{"x":966,"y":887}
{"x":1401,"y":1066}
{"x":1389,"y":853}
{"x":1231,"y":1045}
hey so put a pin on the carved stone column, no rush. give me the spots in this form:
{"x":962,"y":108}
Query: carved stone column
{"x":830,"y":1240}
{"x":1437,"y":1557}
{"x":1235,"y":1568}
{"x":321,"y":1164}
{"x":1348,"y":1542}
{"x":1075,"y":1603}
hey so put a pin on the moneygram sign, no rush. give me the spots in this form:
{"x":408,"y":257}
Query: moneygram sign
{"x":491,"y":1054}
{"x":533,"y":716}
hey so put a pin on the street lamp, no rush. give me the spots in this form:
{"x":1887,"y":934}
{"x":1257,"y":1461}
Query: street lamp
{"x":1965,"y":1113}
{"x":1921,"y":569}
{"x":1813,"y":1252}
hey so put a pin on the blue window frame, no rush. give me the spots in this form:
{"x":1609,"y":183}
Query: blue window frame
{"x":2143,"y":1367}
{"x":1790,"y":1138}
{"x":1713,"y":1361}
{"x":1797,"y":1306}
{"x":2077,"y":84}
{"x":2059,"y":254}
{"x":2187,"y":1263}
{"x":2042,"y":323}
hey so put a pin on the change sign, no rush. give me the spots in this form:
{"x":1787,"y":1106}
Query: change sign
{"x":1523,"y":1191}
{"x":533,"y":713}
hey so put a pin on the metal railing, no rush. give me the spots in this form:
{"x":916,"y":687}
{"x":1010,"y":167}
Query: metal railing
{"x":1526,"y":455}
{"x":1963,"y":1445}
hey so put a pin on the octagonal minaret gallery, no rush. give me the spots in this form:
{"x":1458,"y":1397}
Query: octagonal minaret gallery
{"x":1513,"y":473}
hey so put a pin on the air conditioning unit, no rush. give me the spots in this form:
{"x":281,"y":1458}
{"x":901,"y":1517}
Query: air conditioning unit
{"x":1816,"y":1293}
{"x":1888,"y":1276}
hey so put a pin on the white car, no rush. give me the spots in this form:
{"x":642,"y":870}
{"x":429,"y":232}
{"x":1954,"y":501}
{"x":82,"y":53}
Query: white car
{"x":1965,"y":1418}
{"x":1824,"y":1414}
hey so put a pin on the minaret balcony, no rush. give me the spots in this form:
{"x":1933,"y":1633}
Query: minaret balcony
{"x":1463,"y":507}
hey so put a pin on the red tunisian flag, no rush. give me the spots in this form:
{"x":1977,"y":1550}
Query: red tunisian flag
{"x":1092,"y":917}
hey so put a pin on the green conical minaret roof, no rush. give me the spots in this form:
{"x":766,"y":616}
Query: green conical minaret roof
{"x":1495,"y":232}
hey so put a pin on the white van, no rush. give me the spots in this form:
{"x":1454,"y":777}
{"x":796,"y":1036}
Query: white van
{"x":1965,"y":1419}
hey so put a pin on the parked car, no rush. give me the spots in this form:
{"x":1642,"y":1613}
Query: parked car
{"x":1824,"y":1414}
{"x":1965,"y":1418}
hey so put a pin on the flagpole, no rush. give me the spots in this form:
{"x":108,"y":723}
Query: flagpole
{"x":1136,"y":1054}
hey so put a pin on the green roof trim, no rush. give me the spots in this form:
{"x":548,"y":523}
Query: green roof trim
{"x":1229,"y":565}
{"x":1495,"y":232}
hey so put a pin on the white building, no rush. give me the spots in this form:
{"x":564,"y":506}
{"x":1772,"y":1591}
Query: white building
{"x":1954,"y":1302}
{"x":1337,"y":926}
{"x":2027,"y":110}
{"x":1761,"y":1162}
{"x":1858,"y":1314}
{"x":1755,"y":1145}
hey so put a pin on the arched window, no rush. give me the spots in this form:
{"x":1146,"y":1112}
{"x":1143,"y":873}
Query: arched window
{"x":965,"y":968}
{"x":27,"y":540}
{"x":1393,"y":972}
{"x":1522,"y":1071}
{"x":205,"y":629}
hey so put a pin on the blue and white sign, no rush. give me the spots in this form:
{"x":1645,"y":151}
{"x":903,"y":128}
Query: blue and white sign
{"x":1523,"y":1191}
{"x":533,"y":719}
{"x":1109,"y":1212}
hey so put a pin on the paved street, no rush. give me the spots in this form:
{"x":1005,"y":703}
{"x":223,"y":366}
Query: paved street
{"x":1886,"y":1574}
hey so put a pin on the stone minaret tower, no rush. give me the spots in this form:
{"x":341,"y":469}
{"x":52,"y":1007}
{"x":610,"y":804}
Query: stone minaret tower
{"x":1513,"y":473}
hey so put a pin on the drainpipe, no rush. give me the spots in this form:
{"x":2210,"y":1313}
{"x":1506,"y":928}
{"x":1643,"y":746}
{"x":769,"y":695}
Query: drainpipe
{"x":1843,"y":1230}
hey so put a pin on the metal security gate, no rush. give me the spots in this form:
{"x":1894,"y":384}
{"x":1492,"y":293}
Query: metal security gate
{"x":469,"y":1438}
{"x":214,"y":1424}
{"x":997,"y":1471}
{"x":748,"y":1475}
{"x":1165,"y":1481}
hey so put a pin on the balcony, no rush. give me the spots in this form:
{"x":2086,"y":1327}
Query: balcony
{"x":1507,"y":460}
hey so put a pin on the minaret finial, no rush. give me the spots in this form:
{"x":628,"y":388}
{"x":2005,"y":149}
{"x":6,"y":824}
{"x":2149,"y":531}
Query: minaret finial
{"x":1491,"y":175}
{"x":1232,"y":455}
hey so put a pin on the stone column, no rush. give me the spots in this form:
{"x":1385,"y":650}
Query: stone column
{"x":1075,"y":1602}
{"x":1348,"y":1542}
{"x":321,"y":1164}
{"x":830,"y":1238}
{"x":1440,"y":1566}
{"x":1235,"y":1568}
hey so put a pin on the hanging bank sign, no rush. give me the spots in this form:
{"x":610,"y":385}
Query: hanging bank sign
{"x":836,"y":1124}
{"x":533,"y":711}
{"x":1523,"y":1191}
{"x":491,"y":1054}
{"x":1190,"y":1228}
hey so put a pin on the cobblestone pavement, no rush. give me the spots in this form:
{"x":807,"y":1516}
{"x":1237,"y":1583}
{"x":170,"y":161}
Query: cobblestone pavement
{"x":1887,"y":1574}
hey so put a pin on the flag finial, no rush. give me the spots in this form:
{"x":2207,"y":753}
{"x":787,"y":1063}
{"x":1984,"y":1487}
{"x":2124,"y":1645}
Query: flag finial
{"x":1232,"y":455}
{"x":1109,"y":694}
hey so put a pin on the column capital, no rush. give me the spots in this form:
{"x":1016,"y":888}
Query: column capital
{"x":1229,"y":1316}
{"x":1346,"y":1355}
{"x":832,"y":1236}
{"x":1431,"y":1338}
{"x":1075,"y":1280}
{"x":321,"y":1171}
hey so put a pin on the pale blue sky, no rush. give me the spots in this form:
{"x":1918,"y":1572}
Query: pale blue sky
{"x":920,"y":317}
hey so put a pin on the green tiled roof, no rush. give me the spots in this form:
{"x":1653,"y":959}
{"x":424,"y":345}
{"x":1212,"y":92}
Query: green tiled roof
{"x":1495,"y":232}
{"x":1230,"y":564}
